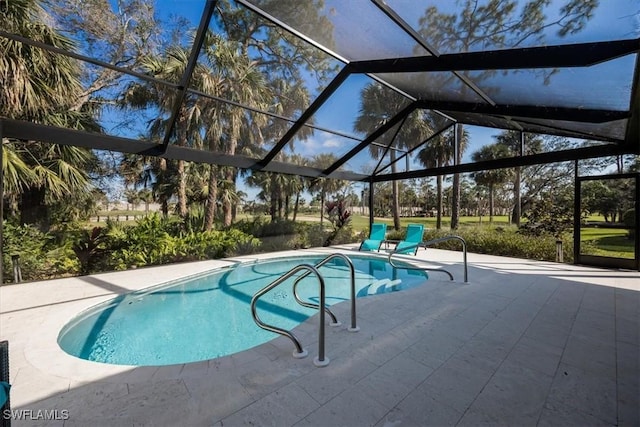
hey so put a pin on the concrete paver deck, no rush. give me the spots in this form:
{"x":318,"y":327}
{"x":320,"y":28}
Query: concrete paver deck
{"x":522,"y":343}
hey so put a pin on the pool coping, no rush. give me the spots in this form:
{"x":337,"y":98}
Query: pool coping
{"x":442,"y":354}
{"x":43,"y":352}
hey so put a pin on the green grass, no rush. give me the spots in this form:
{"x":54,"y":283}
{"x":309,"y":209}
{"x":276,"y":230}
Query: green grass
{"x":121,"y":213}
{"x":604,"y":241}
{"x":600,"y":240}
{"x":361,"y":222}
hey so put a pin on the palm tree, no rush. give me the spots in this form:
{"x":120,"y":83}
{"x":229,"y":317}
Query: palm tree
{"x":325,"y":186}
{"x":189,"y":120}
{"x":436,"y":154}
{"x":274,"y":186}
{"x":37,"y":85}
{"x":512,"y":141}
{"x":461,"y":142}
{"x":237,"y":79}
{"x":490,"y":178}
{"x":40,"y":86}
{"x":297,"y":184}
{"x":377,"y":106}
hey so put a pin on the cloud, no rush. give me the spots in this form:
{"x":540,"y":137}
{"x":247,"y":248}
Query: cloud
{"x":331,"y":143}
{"x":318,"y":145}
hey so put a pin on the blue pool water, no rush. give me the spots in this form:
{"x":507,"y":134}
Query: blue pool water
{"x":209,"y":315}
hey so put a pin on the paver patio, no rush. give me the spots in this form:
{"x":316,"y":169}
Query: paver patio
{"x":523,"y":343}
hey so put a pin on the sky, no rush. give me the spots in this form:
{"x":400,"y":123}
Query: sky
{"x":341,"y":110}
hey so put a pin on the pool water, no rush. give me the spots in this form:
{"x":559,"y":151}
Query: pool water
{"x":209,"y":315}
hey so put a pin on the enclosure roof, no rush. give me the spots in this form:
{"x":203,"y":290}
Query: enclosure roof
{"x":567,"y":70}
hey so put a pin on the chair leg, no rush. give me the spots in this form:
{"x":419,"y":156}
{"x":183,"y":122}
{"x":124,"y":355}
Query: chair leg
{"x":4,"y":376}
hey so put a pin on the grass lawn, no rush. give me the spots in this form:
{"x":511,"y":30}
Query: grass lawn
{"x":602,"y":241}
{"x":361,"y":222}
{"x":607,"y":242}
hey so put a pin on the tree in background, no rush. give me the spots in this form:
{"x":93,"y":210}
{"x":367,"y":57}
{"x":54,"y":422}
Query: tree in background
{"x":491,"y":178}
{"x":514,"y":145}
{"x":325,"y":186}
{"x":437,"y":153}
{"x":550,"y":213}
{"x":378,"y":104}
{"x":267,"y":68}
{"x":41,"y":87}
{"x":497,"y":24}
{"x":461,"y":142}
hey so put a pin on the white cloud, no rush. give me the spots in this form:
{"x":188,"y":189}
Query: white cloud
{"x":318,"y":145}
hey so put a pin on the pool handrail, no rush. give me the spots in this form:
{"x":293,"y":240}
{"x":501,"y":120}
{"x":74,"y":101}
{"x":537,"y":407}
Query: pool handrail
{"x":300,"y":353}
{"x":433,"y":242}
{"x":335,"y":322}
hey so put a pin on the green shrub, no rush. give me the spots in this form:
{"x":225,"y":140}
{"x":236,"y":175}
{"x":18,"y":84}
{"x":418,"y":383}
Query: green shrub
{"x":154,"y":241}
{"x":508,"y":243}
{"x":262,"y":227}
{"x":41,"y":255}
{"x":339,"y":216}
{"x":629,"y":220}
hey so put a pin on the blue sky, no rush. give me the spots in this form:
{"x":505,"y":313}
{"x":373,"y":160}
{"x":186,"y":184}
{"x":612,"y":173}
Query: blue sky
{"x":340,"y":112}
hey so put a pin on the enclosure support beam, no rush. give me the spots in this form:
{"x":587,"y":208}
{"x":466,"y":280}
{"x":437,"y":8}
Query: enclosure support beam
{"x":306,"y":115}
{"x":372,"y":137}
{"x":370,"y":205}
{"x":576,"y":212}
{"x":511,"y":162}
{"x":420,"y":145}
{"x":1,"y":203}
{"x":563,"y":56}
{"x":580,"y":115}
{"x":188,"y":71}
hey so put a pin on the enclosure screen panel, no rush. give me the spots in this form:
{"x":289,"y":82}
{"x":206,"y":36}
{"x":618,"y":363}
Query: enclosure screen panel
{"x":472,"y":26}
{"x":605,"y":86}
{"x":355,"y":30}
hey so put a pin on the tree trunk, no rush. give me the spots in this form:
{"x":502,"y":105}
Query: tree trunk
{"x":33,"y":209}
{"x":182,"y":190}
{"x":321,"y":206}
{"x":164,"y":203}
{"x":395,"y":203}
{"x":515,"y":218}
{"x":212,"y":197}
{"x":296,"y":205}
{"x":229,"y":174}
{"x":439,"y":202}
{"x":234,"y":205}
{"x":274,"y":198}
{"x":455,"y":202}
{"x":490,"y":203}
{"x":286,"y":207}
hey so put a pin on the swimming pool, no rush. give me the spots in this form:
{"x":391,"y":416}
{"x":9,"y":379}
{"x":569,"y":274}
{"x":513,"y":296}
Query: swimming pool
{"x":208,"y":315}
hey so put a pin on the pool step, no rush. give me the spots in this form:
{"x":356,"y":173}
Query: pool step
{"x":382,"y":286}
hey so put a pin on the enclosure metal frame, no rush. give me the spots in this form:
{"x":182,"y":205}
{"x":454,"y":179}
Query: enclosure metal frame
{"x":605,"y":261}
{"x":560,"y":56}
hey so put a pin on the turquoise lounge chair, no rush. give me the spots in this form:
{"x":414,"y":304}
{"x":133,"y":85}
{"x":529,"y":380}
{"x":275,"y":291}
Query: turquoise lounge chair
{"x":377,"y":235}
{"x":411,"y":241}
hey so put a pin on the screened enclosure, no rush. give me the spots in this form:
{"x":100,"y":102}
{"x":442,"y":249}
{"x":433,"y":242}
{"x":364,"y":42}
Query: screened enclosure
{"x":352,"y":90}
{"x":567,"y":69}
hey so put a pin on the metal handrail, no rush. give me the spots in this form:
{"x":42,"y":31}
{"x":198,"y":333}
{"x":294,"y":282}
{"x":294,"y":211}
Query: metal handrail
{"x":335,"y":322}
{"x":432,"y":242}
{"x":300,"y":353}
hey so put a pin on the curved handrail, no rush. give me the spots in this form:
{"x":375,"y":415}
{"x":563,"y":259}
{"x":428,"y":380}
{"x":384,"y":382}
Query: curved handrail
{"x":320,"y":360}
{"x":432,"y":242}
{"x":335,"y":322}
